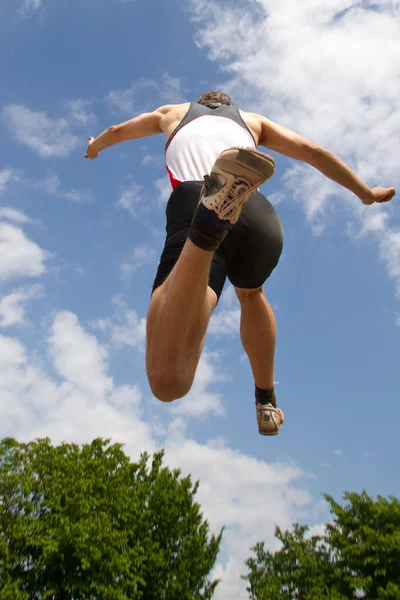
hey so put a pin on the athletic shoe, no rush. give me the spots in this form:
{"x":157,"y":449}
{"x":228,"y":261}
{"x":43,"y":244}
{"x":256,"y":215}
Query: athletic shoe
{"x":236,"y":174}
{"x":269,"y":419}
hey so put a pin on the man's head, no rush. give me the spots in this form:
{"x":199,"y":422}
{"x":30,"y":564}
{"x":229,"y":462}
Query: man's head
{"x":214,"y":99}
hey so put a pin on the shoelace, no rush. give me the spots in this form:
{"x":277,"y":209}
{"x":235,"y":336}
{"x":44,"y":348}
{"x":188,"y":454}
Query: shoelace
{"x":231,"y":207}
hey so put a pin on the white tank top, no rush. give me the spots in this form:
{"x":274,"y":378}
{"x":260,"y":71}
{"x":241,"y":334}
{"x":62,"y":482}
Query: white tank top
{"x":201,"y":136}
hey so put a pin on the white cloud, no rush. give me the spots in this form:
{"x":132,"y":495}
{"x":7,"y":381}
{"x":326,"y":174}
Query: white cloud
{"x":232,"y":484}
{"x":317,"y":530}
{"x":29,"y":6}
{"x":338,"y":452}
{"x":78,"y":357}
{"x":373,"y":223}
{"x":11,"y":214}
{"x":132,"y":200}
{"x":20,"y":257}
{"x":225,"y":322}
{"x":200,"y":402}
{"x":309,"y":68}
{"x":141,"y":256}
{"x":6,"y":177}
{"x":129,"y":100}
{"x":12,"y":352}
{"x":314,"y":192}
{"x":125,"y":328}
{"x":228,"y":298}
{"x":80,"y":111}
{"x":276,"y":198}
{"x":390,"y":253}
{"x":296,"y":64}
{"x":226,"y":319}
{"x":129,"y":328}
{"x":371,"y":220}
{"x":48,"y":137}
{"x":12,"y":309}
{"x":149,"y":160}
{"x":140,"y":96}
{"x":51,"y":185}
{"x":82,"y":405}
{"x":163,"y":187}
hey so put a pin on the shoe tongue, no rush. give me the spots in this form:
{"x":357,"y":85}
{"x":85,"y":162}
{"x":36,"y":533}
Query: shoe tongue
{"x":213,"y":183}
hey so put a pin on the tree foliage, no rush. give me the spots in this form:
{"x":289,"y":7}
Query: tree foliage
{"x":358,"y":557}
{"x":85,"y":522}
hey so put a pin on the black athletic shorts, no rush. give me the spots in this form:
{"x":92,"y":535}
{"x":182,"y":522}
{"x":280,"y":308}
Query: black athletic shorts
{"x":247,"y":256}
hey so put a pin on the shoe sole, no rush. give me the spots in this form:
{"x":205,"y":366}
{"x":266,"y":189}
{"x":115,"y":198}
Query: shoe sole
{"x":251,"y":161}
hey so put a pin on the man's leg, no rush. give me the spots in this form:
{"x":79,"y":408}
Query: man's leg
{"x":177,"y":320}
{"x":258,"y":334}
{"x":181,"y":307}
{"x":253,"y":251}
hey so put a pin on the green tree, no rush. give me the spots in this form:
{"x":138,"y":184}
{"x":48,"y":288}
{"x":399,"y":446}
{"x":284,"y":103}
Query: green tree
{"x":85,"y":522}
{"x":358,"y":557}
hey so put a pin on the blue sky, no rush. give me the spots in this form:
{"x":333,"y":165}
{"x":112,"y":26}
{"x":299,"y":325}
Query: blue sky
{"x":80,"y":241}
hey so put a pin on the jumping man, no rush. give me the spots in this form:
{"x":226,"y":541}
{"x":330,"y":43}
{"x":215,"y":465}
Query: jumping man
{"x":219,"y":225}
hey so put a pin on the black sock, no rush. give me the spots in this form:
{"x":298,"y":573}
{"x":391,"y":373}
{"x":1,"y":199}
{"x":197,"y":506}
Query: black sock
{"x":266,"y":396}
{"x":207,"y":231}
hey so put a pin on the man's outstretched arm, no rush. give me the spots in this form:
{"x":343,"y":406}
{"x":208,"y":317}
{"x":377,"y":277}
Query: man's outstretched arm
{"x":143,"y":125}
{"x":282,"y":140}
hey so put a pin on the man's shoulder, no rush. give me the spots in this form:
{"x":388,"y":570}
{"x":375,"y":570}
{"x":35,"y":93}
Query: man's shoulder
{"x":173,"y":108}
{"x":245,"y":114}
{"x":254,"y":123}
{"x":171,"y":115}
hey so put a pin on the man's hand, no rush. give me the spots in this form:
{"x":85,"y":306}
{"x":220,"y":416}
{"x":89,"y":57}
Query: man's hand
{"x":91,"y":151}
{"x":379,"y":194}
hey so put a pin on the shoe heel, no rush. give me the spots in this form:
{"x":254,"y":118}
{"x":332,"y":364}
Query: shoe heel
{"x":264,"y":165}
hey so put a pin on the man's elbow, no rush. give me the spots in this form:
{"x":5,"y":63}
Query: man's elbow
{"x":309,"y":152}
{"x":116,"y":133}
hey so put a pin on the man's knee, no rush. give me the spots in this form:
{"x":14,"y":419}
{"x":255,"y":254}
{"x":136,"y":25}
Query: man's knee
{"x":169,"y":386}
{"x":243,"y":293}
